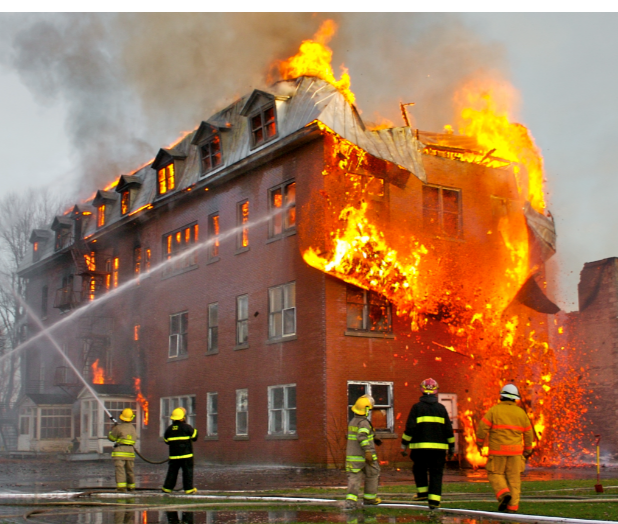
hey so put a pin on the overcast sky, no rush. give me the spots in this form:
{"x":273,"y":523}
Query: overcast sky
{"x":564,"y":65}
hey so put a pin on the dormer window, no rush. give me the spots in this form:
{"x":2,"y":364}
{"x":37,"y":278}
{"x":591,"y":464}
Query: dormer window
{"x":263,"y":126}
{"x":128,"y":188}
{"x":63,"y":229}
{"x":125,"y":202}
{"x":104,"y":201}
{"x":168,"y":165}
{"x":101,"y":215}
{"x":211,"y":154}
{"x":38,"y":239}
{"x":208,"y":139}
{"x":167,"y":179}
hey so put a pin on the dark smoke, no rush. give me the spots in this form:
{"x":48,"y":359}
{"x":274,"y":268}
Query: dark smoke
{"x":133,"y":82}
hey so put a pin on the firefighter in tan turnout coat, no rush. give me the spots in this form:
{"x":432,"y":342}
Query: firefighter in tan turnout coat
{"x":124,"y":436}
{"x":510,"y":443}
{"x":361,"y":461}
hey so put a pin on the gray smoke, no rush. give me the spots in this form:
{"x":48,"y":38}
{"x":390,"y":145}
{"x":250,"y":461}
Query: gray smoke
{"x":133,"y":82}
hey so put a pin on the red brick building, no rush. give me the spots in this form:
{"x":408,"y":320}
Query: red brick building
{"x":188,"y":274}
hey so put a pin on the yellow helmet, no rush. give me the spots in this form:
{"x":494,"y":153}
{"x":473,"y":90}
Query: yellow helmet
{"x":178,"y":414}
{"x":127,"y":415}
{"x":363,"y":405}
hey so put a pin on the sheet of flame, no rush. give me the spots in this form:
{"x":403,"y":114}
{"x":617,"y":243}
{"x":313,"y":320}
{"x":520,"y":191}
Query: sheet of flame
{"x":98,"y":373}
{"x":141,"y":400}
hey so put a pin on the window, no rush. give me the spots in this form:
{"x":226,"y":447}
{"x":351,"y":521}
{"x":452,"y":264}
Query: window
{"x":166,"y":179}
{"x":125,"y":202}
{"x":283,"y":209}
{"x":179,"y":334}
{"x":178,"y":241}
{"x":115,"y":408}
{"x":367,"y":310}
{"x":282,"y":410}
{"x":242,"y":412}
{"x":442,"y":210}
{"x":242,"y":320}
{"x":282,"y":311}
{"x":63,"y":238}
{"x":55,"y":423}
{"x":169,"y":404}
{"x":381,"y":415}
{"x":115,"y":271}
{"x":263,"y":126}
{"x":211,"y":154}
{"x":36,"y":251}
{"x":44,"y":294}
{"x":137,"y":260}
{"x":212,"y":420}
{"x":213,"y":328}
{"x":101,"y":215}
{"x":213,"y":235}
{"x":148,"y":258}
{"x":136,"y":332}
{"x":242,"y":220}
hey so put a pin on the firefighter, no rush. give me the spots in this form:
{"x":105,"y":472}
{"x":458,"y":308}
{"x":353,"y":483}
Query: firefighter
{"x":179,"y":437}
{"x":361,"y":461}
{"x":429,"y":435}
{"x":510,"y":443}
{"x":124,"y":436}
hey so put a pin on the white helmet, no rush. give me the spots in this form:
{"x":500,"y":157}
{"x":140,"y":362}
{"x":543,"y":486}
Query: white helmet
{"x":510,"y":392}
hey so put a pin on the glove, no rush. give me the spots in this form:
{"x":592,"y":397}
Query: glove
{"x":377,"y":441}
{"x":368,"y":456}
{"x":527,"y":454}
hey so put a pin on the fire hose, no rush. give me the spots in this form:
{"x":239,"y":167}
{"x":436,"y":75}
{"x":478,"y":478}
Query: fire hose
{"x":137,"y":452}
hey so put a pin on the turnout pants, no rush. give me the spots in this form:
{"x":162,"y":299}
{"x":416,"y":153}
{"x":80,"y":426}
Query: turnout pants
{"x":174,"y":466}
{"x":125,"y":478}
{"x":429,"y":461}
{"x":504,"y":475}
{"x":370,"y":474}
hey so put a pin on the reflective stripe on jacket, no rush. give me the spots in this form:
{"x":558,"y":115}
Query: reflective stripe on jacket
{"x":124,"y":436}
{"x":179,"y":437}
{"x":360,"y":440}
{"x":428,"y":426}
{"x":509,"y":429}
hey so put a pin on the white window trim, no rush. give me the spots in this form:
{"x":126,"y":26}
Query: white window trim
{"x":390,"y":418}
{"x":246,"y":390}
{"x":177,"y":335}
{"x":283,"y":310}
{"x":285,"y":411}
{"x":209,"y":431}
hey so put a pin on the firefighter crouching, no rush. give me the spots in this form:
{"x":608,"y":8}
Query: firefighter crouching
{"x":510,"y":443}
{"x":361,"y":461}
{"x":429,"y":435}
{"x":124,"y":436}
{"x":179,"y":437}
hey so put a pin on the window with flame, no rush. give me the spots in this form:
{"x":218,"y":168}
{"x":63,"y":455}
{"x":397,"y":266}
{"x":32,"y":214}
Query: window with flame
{"x":169,"y":404}
{"x":242,"y":221}
{"x":125,"y":202}
{"x":442,"y":211}
{"x":282,"y":410}
{"x":176,"y":242}
{"x":137,"y":260}
{"x":213,"y":236}
{"x":367,"y":311}
{"x":242,"y":412}
{"x":242,"y":320}
{"x":179,"y":334}
{"x":282,"y":311}
{"x":212,"y":414}
{"x":211,"y":154}
{"x":36,"y":252}
{"x":213,"y":328}
{"x":282,"y":204}
{"x":381,"y":416}
{"x":101,"y":211}
{"x":263,"y":126}
{"x":166,"y":179}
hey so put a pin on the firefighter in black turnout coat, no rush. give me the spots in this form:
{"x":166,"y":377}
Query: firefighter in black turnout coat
{"x":179,"y":437}
{"x":429,"y":435}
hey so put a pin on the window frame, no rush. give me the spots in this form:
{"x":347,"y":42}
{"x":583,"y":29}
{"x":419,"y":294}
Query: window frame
{"x":366,"y":318}
{"x":214,"y":234}
{"x":213,"y":330}
{"x":207,"y":147}
{"x":52,"y":431}
{"x":285,"y":411}
{"x":180,"y":335}
{"x":389,"y":408}
{"x":263,"y":127}
{"x":242,"y":218}
{"x":101,"y":216}
{"x":240,"y":342}
{"x":239,"y":393}
{"x":169,"y":174}
{"x":212,"y":414}
{"x":176,"y":242}
{"x":125,"y":202}
{"x":186,"y":401}
{"x":287,"y":215}
{"x":438,"y":229}
{"x":272,"y":332}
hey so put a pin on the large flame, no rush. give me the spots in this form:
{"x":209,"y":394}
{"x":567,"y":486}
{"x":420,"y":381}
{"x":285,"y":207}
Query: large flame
{"x":98,"y":373}
{"x":141,"y":399}
{"x":314,"y":59}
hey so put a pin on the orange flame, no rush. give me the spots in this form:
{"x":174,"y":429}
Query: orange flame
{"x":314,"y":59}
{"x":475,"y":458}
{"x":141,"y":399}
{"x":98,"y":373}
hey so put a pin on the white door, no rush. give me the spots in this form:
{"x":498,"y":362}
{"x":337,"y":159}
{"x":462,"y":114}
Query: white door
{"x":26,"y":429}
{"x":449,"y":400}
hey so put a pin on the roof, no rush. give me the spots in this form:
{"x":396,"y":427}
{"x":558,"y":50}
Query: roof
{"x":43,"y":399}
{"x":110,"y":390}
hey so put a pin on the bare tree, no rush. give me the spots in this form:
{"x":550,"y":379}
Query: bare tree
{"x":19,"y":215}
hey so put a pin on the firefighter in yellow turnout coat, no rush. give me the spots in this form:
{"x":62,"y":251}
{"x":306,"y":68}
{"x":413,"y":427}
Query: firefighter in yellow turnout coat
{"x":510,"y":443}
{"x":361,"y":460}
{"x":124,"y":436}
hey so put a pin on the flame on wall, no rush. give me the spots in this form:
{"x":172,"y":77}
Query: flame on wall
{"x":98,"y":373}
{"x":141,"y":399}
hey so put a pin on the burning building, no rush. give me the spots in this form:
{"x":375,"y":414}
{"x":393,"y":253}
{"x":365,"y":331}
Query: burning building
{"x":284,"y":258}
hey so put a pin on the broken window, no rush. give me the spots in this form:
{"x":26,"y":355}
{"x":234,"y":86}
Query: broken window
{"x":125,"y":202}
{"x":169,"y":404}
{"x":242,"y":412}
{"x":44,"y":293}
{"x":263,"y":125}
{"x":56,"y":423}
{"x":282,"y":311}
{"x":242,"y":320}
{"x":166,"y":180}
{"x":282,"y":410}
{"x":179,"y":334}
{"x":442,"y":211}
{"x":367,"y":310}
{"x":212,"y":414}
{"x":211,"y":154}
{"x":213,"y":328}
{"x":381,"y":415}
{"x":177,"y":241}
{"x":282,"y":202}
{"x":213,"y":235}
{"x":242,"y":221}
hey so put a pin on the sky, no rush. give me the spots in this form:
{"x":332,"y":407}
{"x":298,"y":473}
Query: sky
{"x":77,"y":87}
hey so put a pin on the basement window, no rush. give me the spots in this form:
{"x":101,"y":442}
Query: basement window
{"x":211,"y":154}
{"x":381,"y":416}
{"x":367,"y":311}
{"x":263,"y":125}
{"x":442,"y":213}
{"x":282,"y":203}
{"x":166,"y":179}
{"x":169,"y":404}
{"x":282,"y":311}
{"x":282,"y":410}
{"x":179,"y":334}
